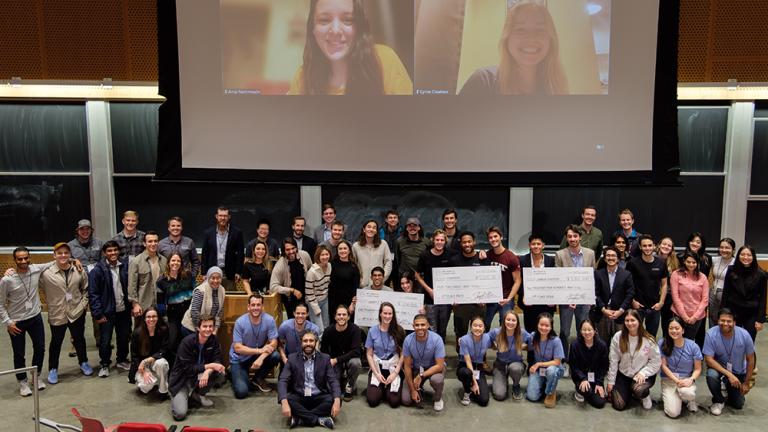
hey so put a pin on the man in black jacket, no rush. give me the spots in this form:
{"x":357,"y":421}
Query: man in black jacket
{"x":303,"y":241}
{"x":343,"y":342}
{"x":308,"y":390}
{"x":614,"y":290}
{"x":223,"y":247}
{"x":110,"y":307}
{"x":197,"y":368}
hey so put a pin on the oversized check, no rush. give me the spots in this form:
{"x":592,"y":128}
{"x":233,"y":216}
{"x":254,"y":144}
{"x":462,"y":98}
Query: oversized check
{"x":368,"y":301}
{"x":559,"y":285}
{"x":467,"y":285}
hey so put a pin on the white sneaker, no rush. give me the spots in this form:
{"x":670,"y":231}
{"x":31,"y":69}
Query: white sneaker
{"x":104,"y":372}
{"x":716,"y":409}
{"x":567,"y":372}
{"x":465,"y":400}
{"x":693,"y":406}
{"x":202,"y":400}
{"x":24,"y":389}
{"x":439,"y":404}
{"x":579,"y":398}
{"x":40,"y":384}
{"x":647,"y":402}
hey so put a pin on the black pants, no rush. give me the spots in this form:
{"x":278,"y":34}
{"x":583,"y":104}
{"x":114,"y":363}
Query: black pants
{"x":626,"y":388}
{"x":375,"y":394}
{"x":36,"y":331}
{"x":120,"y":322}
{"x":462,"y":314}
{"x":591,"y":396}
{"x":746,"y":318}
{"x":309,"y":409}
{"x":465,"y":376}
{"x":77,"y":331}
{"x":175,"y":313}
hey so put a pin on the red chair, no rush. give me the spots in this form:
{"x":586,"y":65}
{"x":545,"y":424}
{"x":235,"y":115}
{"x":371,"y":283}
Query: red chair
{"x":202,"y":429}
{"x":90,"y":424}
{"x":93,"y":425}
{"x":140,"y":427}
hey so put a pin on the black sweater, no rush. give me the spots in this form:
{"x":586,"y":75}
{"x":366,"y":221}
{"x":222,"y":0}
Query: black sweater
{"x":159,"y":344}
{"x":343,"y":346}
{"x":186,"y":368}
{"x":583,"y":360}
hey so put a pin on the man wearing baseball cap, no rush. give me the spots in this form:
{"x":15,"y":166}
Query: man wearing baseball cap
{"x":410,"y":246}
{"x":84,"y":246}
{"x":66,"y":293}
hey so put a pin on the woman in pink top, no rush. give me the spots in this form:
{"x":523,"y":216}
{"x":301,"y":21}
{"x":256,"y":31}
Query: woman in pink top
{"x":690,"y":294}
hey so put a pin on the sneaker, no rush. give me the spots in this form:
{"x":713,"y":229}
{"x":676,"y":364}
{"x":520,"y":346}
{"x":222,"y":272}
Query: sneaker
{"x":294,"y":422}
{"x":693,"y":406}
{"x":579,"y":397}
{"x":567,"y":372}
{"x":262,"y":385}
{"x":40,"y":384}
{"x":326,"y":422}
{"x":124,"y":365}
{"x":647,"y":402}
{"x":550,"y":400}
{"x":204,"y":401}
{"x":465,"y":400}
{"x":346,"y":396}
{"x":53,"y":376}
{"x":103,"y":371}
{"x":86,"y":369}
{"x":72,"y":352}
{"x":24,"y":389}
{"x":517,"y":392}
{"x":716,"y":409}
{"x":439,"y":405}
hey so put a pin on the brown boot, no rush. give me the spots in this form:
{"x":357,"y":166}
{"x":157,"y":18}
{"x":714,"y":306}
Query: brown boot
{"x":550,"y":400}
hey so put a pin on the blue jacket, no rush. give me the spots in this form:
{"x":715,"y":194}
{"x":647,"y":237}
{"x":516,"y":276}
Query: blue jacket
{"x":101,"y":293}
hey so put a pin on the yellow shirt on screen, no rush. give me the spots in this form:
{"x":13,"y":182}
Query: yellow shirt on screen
{"x":396,"y":79}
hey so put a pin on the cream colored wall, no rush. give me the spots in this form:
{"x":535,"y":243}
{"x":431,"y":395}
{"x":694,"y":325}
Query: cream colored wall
{"x":483,"y":24}
{"x":284,"y":53}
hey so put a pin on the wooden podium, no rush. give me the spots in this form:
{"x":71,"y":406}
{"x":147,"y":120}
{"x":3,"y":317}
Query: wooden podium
{"x":235,"y":305}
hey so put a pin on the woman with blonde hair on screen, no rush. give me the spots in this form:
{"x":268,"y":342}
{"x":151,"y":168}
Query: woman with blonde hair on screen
{"x":340,"y":56}
{"x":529,"y":57}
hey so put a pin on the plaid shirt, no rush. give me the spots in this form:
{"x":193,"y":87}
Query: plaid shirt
{"x":130,"y":246}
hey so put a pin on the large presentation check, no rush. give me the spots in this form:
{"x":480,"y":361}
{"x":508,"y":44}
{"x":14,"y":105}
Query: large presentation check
{"x":559,"y":285}
{"x":368,"y":301}
{"x":466,"y":285}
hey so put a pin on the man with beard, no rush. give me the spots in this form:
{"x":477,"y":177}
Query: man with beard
{"x":343,"y":343}
{"x":423,"y":360}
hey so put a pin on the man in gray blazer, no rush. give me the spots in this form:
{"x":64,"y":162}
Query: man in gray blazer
{"x":575,"y":255}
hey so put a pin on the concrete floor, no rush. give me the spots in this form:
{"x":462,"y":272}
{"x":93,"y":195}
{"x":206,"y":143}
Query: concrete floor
{"x":114,"y":400}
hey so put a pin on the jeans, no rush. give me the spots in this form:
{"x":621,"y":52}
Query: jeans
{"x":438,"y":316}
{"x":539,"y":385}
{"x":240,"y":371}
{"x":180,"y":401}
{"x":348,"y":372}
{"x":77,"y":331}
{"x":34,"y":327}
{"x":735,"y":399}
{"x":651,"y":320}
{"x":566,"y":318}
{"x":492,"y":308}
{"x":320,"y":320}
{"x":121,"y":323}
{"x":465,"y":376}
{"x":501,"y":374}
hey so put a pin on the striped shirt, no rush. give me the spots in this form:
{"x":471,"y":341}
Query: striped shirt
{"x":317,"y":281}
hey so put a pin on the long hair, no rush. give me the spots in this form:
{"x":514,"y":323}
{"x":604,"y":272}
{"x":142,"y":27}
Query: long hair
{"x":552,"y":79}
{"x":741,"y":269}
{"x":364,"y":74}
{"x":376,"y":238}
{"x":351,"y":255}
{"x":268,"y":260}
{"x":591,"y":324}
{"x":395,"y":330}
{"x":702,"y":256}
{"x":501,"y":339}
{"x":161,"y":330}
{"x":668,"y":345}
{"x":183,"y":270}
{"x":683,"y":269}
{"x":537,"y":337}
{"x":672,"y":262}
{"x":641,"y":333}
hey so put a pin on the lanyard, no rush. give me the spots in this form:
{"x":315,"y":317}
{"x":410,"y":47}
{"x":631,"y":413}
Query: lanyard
{"x":477,"y":350}
{"x":423,"y":350}
{"x":27,"y":288}
{"x":385,"y":337}
{"x":727,"y":351}
{"x":224,"y":239}
{"x":679,"y":358}
{"x":543,"y":346}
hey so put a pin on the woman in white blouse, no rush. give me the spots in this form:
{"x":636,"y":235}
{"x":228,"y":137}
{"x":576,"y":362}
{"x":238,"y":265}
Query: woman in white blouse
{"x":720,"y":265}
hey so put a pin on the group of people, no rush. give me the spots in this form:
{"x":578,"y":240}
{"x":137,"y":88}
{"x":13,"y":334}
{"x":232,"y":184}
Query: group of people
{"x":141,"y":288}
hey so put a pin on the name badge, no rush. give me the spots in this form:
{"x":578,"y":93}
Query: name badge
{"x":542,"y":371}
{"x":421,"y":370}
{"x":476,"y":374}
{"x":28,"y":304}
{"x":729,"y":366}
{"x":68,"y":297}
{"x":307,"y":392}
{"x":591,"y":377}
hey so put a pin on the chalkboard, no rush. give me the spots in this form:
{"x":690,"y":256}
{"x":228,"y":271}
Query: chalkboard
{"x":134,"y":136}
{"x":43,"y":137}
{"x":157,"y":201}
{"x":759,"y":179}
{"x":673,"y":211}
{"x":757,"y":230}
{"x":478,"y":209}
{"x":702,"y":132}
{"x":41,"y":210}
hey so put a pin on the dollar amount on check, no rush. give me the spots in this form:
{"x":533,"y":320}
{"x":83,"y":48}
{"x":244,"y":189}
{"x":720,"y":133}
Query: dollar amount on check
{"x":467,"y":285}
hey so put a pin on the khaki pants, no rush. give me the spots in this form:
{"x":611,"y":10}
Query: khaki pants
{"x":674,"y":396}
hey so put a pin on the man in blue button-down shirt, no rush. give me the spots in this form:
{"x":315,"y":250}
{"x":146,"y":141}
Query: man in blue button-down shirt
{"x":308,"y":390}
